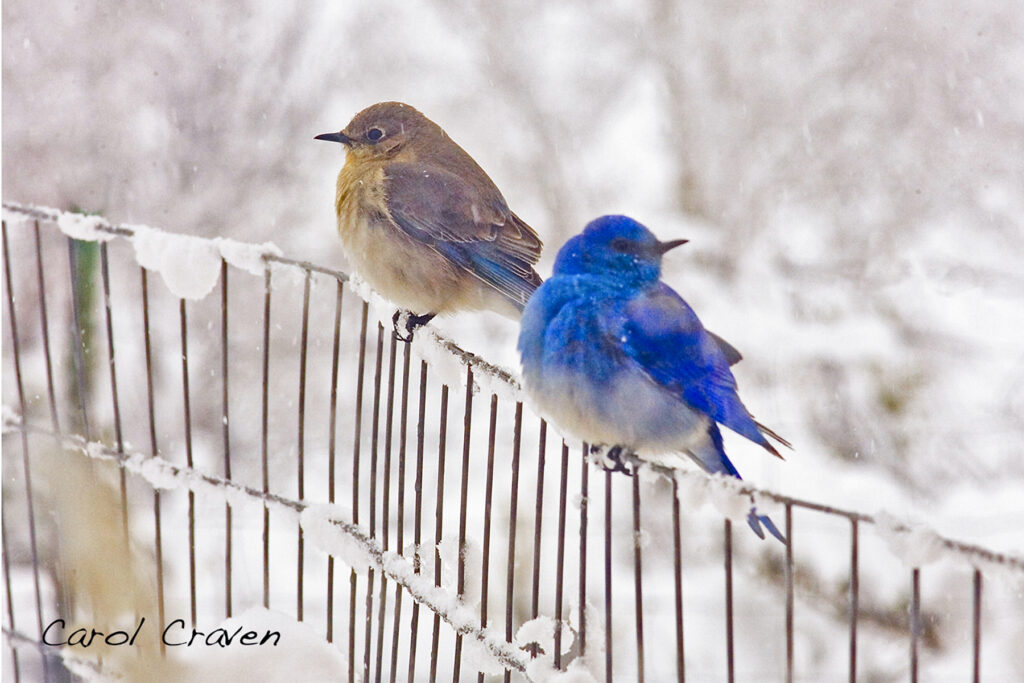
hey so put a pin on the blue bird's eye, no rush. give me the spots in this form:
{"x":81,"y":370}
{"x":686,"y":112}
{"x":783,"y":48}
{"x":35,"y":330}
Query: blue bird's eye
{"x":620,"y":244}
{"x":374,"y":134}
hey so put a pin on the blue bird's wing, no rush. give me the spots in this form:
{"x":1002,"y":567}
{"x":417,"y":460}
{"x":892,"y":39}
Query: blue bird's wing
{"x":664,"y":336}
{"x":727,"y":349}
{"x":467,"y":221}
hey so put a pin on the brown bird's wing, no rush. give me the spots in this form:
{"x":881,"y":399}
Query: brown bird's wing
{"x":468,"y":222}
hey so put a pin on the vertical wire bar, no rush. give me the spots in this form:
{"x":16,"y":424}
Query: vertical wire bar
{"x":10,"y":603}
{"x":977,"y":626}
{"x":374,"y":443}
{"x":915,"y":622}
{"x":461,"y":573}
{"x":560,"y":554}
{"x":44,"y":325}
{"x":76,"y":340}
{"x":332,"y":421}
{"x":403,"y":432}
{"x":225,"y":431}
{"x":356,"y":446}
{"x":25,"y":459}
{"x":537,"y":526}
{"x":386,"y":503}
{"x":183,"y":316}
{"x":854,"y":593}
{"x":265,"y":434}
{"x":112,"y":364}
{"x":488,"y":500}
{"x":510,"y":566}
{"x":438,"y":521}
{"x":118,"y":435}
{"x":677,"y":574}
{"x":638,"y":591}
{"x":421,"y":424}
{"x":789,"y":593}
{"x":584,"y":505}
{"x":608,"y":640}
{"x":729,"y":645}
{"x":150,"y":404}
{"x":301,"y":450}
{"x":53,"y":416}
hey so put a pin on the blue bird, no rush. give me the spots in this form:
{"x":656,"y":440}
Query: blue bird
{"x":614,"y":356}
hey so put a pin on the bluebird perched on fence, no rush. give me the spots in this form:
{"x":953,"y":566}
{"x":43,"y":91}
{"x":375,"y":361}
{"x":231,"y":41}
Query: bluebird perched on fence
{"x":422,"y":223}
{"x":613,"y":355}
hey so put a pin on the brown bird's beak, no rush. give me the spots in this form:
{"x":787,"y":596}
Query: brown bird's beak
{"x":662,"y":247}
{"x":335,"y":137}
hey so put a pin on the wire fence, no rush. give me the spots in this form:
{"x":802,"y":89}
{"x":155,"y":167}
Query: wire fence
{"x":464,"y":539}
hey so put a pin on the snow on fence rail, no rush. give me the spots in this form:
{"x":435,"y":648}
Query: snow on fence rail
{"x":247,"y":404}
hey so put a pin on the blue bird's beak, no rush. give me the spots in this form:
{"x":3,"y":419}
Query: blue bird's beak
{"x":661,"y":247}
{"x":335,"y":137}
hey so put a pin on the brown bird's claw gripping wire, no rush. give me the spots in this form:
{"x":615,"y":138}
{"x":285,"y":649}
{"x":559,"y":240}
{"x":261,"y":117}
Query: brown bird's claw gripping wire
{"x":615,"y":459}
{"x":411,"y":323}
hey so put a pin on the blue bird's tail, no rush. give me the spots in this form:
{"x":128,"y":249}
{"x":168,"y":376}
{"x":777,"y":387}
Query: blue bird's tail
{"x":755,"y":521}
{"x":711,"y":456}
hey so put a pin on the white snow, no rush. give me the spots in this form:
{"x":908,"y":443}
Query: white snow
{"x":82,"y":227}
{"x":443,"y":365}
{"x":188,"y":265}
{"x":248,"y":257}
{"x":320,"y":524}
{"x":164,"y":475}
{"x":913,"y":543}
{"x":540,"y":630}
{"x":11,"y":419}
{"x":476,"y":656}
{"x":540,"y":671}
{"x":16,"y":214}
{"x":381,"y":310}
{"x":471,"y":553}
{"x":692,"y":489}
{"x":159,"y":476}
{"x":724,"y":494}
{"x":593,"y":660}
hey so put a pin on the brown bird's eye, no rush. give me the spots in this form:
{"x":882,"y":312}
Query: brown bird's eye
{"x":619,"y":244}
{"x":374,"y":134}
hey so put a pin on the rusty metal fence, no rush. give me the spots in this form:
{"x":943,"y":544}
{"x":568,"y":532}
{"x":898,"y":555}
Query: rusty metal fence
{"x":212,"y":430}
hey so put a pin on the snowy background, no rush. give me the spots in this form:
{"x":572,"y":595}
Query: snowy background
{"x":851,"y":179}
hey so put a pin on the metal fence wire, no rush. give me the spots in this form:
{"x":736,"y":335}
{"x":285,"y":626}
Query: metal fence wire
{"x":170,"y":459}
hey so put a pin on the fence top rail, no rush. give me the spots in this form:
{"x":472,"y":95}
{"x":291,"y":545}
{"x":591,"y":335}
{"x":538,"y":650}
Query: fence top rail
{"x":244,"y":256}
{"x":914,"y":543}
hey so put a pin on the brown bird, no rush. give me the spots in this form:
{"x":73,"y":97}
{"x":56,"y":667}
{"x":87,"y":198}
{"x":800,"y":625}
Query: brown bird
{"x":423,"y":224}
